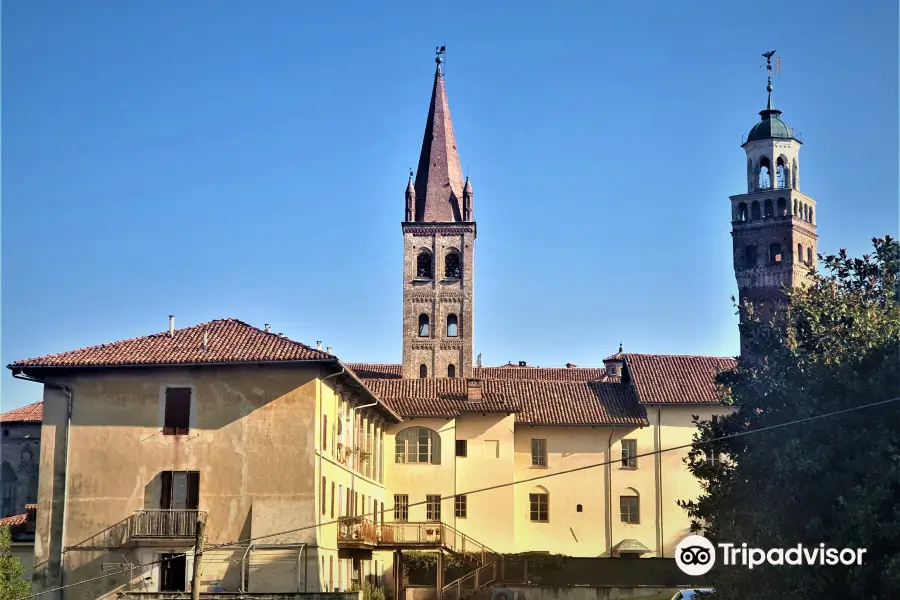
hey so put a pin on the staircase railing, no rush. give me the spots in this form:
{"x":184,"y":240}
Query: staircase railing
{"x":474,"y":582}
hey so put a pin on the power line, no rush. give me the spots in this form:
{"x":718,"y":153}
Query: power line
{"x":493,"y":487}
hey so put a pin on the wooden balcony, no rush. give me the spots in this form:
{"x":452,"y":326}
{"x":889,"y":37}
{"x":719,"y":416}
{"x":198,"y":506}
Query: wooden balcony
{"x":357,"y":532}
{"x":164,"y":524}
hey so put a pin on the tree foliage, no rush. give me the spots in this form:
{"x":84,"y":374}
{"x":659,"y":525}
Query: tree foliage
{"x":12,"y":585}
{"x":834,"y":480}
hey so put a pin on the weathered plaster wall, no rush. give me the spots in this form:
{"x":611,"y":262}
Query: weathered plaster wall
{"x":20,"y":449}
{"x":252,"y":439}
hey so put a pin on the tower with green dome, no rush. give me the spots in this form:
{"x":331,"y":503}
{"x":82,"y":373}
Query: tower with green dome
{"x":773,"y":223}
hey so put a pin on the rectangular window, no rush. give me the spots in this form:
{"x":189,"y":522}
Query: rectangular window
{"x":714,"y":458}
{"x":382,"y":512}
{"x":462,"y":448}
{"x":629,"y":454}
{"x":324,"y":432}
{"x":173,"y":573}
{"x":177,"y":411}
{"x":401,"y":507}
{"x":432,"y":507}
{"x":538,"y":453}
{"x":491,"y":448}
{"x":375,"y":511}
{"x":332,"y":499}
{"x":340,"y":501}
{"x":540,"y":507}
{"x":461,"y":507}
{"x":629,"y":506}
{"x":180,"y":490}
{"x":324,"y":495}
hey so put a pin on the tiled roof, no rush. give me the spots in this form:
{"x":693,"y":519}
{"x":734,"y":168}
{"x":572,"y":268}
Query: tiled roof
{"x":672,"y":379}
{"x":508,"y":372}
{"x":32,"y":413}
{"x":14,"y":520}
{"x":534,"y":402}
{"x":229,"y":341}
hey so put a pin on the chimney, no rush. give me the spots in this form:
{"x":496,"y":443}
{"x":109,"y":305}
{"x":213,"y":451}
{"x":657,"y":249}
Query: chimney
{"x":171,"y":325}
{"x":522,"y":363}
{"x":318,"y":344}
{"x":571,"y":365}
{"x":268,"y":328}
{"x":474,"y":390}
{"x":328,"y":350}
{"x":205,"y":341}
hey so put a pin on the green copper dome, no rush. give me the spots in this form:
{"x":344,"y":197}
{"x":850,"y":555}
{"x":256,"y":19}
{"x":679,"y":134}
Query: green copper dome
{"x":770,"y":127}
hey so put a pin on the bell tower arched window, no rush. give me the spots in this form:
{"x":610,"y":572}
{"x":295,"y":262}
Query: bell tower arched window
{"x":423,"y":265}
{"x":750,"y":257}
{"x":742,"y":212}
{"x":765,"y":173}
{"x":754,"y":210}
{"x":775,"y":253}
{"x":799,"y":254}
{"x":423,"y":371}
{"x":809,"y":256}
{"x":452,"y":326}
{"x":424,"y":325}
{"x":451,"y":371}
{"x":782,"y":207}
{"x":770,"y":211}
{"x":780,"y":173}
{"x":452,"y":268}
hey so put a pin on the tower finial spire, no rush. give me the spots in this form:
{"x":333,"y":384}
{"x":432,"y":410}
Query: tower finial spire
{"x":440,"y":51}
{"x":768,"y":56}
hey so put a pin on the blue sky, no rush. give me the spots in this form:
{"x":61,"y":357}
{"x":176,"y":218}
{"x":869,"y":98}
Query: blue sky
{"x":236,"y":159}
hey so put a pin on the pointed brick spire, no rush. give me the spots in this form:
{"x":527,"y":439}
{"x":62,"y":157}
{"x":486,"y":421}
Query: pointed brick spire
{"x":439,"y":180}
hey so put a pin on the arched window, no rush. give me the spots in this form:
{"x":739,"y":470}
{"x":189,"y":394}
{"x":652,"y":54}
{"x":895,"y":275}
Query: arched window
{"x":810,"y":215}
{"x":630,"y":506}
{"x":539,"y":504}
{"x":805,"y":211}
{"x":796,"y":207}
{"x":809,"y":256}
{"x":750,"y":257}
{"x":423,"y":371}
{"x":765,"y":178}
{"x":424,"y":323}
{"x":782,"y":207}
{"x":780,"y":175}
{"x":799,"y":254}
{"x":451,"y":265}
{"x":418,"y":445}
{"x":423,"y":265}
{"x":754,"y":210}
{"x":770,"y":211}
{"x":742,"y":212}
{"x":451,"y":371}
{"x":775,"y":253}
{"x":7,"y":489}
{"x":750,"y":186}
{"x":452,"y":326}
{"x":795,"y":175}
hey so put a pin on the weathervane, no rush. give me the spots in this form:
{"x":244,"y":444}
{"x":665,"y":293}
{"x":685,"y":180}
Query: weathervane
{"x":768,"y":56}
{"x":440,"y":51}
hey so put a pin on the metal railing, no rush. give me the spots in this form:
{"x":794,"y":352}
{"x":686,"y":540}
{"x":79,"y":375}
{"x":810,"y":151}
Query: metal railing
{"x":470,"y":584}
{"x":163,"y":523}
{"x":401,"y":533}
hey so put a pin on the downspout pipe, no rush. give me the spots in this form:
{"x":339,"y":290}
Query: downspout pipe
{"x":18,"y":374}
{"x":609,"y":507}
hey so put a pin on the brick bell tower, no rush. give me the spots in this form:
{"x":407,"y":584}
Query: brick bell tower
{"x":438,"y":252}
{"x":773,"y":224}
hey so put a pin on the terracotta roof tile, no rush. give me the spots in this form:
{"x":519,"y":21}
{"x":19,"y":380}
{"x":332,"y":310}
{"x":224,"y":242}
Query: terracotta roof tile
{"x":673,"y":379}
{"x":32,"y":413}
{"x":508,"y":372}
{"x":534,"y":402}
{"x":14,"y":520}
{"x":230,"y":341}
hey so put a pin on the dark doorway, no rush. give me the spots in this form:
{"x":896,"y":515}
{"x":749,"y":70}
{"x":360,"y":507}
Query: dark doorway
{"x":173,"y":573}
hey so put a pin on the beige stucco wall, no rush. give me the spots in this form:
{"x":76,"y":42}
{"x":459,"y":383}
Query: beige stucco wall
{"x":25,"y":553}
{"x":253,"y":439}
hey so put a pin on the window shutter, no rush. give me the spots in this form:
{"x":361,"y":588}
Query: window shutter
{"x":165,"y":495}
{"x":193,"y":490}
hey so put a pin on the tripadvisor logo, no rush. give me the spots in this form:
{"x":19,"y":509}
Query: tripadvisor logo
{"x":696,"y":555}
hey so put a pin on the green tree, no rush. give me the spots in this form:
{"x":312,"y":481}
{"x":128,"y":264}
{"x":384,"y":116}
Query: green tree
{"x":834,"y":480}
{"x":12,"y":586}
